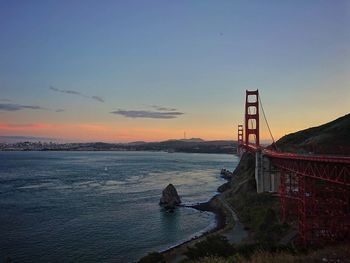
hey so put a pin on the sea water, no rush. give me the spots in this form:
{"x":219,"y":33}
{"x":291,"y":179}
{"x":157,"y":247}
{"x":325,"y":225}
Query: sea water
{"x":101,"y":206}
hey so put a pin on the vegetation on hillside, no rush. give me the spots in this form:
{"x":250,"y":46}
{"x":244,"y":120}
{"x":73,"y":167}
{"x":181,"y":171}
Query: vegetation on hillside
{"x":188,"y":146}
{"x":340,"y":253}
{"x":215,"y":245}
{"x":152,"y":257}
{"x":329,"y":138}
{"x":258,"y":212}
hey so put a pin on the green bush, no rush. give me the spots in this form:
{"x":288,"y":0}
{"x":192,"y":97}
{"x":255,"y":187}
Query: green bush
{"x":258,"y":212}
{"x":153,"y":257}
{"x":215,"y":245}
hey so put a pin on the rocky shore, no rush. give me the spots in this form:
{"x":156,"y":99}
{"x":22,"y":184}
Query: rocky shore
{"x":226,"y":224}
{"x":240,"y":181}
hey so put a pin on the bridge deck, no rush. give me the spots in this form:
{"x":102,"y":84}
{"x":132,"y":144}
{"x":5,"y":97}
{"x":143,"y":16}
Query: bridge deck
{"x":295,"y":156}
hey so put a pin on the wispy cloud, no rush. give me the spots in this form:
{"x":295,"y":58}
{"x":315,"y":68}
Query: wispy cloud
{"x":148,"y":114}
{"x":5,"y":100}
{"x":17,"y":107}
{"x":68,"y":92}
{"x":98,"y":98}
{"x":161,"y":108}
{"x":73,"y":92}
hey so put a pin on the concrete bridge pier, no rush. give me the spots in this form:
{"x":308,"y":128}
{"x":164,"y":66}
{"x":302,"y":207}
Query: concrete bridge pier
{"x":259,"y":171}
{"x":266,"y":178}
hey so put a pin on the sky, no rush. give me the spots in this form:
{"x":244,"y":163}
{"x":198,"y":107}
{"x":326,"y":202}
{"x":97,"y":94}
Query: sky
{"x":121,"y":71}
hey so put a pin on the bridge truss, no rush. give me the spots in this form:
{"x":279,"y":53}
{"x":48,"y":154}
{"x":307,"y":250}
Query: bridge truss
{"x":313,"y":190}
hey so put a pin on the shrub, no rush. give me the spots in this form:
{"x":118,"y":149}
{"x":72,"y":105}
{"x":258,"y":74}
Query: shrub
{"x":153,"y":257}
{"x":215,"y":245}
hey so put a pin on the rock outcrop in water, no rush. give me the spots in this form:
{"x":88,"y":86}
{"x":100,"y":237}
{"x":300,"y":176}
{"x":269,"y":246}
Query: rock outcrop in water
{"x":170,"y":199}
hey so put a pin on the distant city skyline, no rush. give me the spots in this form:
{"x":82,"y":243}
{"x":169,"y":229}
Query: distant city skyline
{"x":122,"y":71}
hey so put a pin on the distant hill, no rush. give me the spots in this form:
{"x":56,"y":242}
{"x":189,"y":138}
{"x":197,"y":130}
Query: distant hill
{"x":193,"y":140}
{"x":330,"y":138}
{"x":194,"y":145}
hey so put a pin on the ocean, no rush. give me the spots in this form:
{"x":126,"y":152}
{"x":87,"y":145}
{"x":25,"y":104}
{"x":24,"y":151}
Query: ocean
{"x":101,"y":206}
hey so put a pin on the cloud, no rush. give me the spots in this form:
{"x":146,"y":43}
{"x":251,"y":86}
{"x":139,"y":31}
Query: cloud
{"x":17,"y":107}
{"x":148,"y":114}
{"x":73,"y":92}
{"x":161,"y":108}
{"x":6,"y":100}
{"x":98,"y":98}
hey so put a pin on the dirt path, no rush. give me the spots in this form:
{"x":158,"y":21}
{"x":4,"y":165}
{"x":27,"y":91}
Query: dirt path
{"x":238,"y":233}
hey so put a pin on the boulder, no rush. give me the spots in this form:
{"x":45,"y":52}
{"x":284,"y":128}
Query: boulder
{"x":169,"y":198}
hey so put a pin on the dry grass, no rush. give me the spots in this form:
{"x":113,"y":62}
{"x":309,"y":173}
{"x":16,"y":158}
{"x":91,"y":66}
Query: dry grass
{"x":212,"y":260}
{"x":336,"y":254}
{"x":266,"y":257}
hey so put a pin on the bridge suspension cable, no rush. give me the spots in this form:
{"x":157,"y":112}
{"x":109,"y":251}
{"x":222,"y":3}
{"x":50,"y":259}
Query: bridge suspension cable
{"x":267,"y":123}
{"x":313,"y":188}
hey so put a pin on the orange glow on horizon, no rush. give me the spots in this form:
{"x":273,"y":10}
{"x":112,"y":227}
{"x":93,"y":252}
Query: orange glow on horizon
{"x":108,"y":133}
{"x":132,"y":131}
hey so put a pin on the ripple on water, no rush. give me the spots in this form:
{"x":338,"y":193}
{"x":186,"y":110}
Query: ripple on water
{"x":65,"y":206}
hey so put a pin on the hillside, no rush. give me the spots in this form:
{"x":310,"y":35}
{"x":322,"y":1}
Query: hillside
{"x":330,"y":138}
{"x":269,"y":239}
{"x":188,"y":146}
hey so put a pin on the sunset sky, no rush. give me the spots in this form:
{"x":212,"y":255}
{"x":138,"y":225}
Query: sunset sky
{"x":120,"y":71}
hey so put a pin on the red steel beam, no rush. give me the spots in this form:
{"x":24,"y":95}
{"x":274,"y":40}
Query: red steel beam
{"x":332,"y":172}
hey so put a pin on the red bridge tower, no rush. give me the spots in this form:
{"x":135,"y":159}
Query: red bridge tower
{"x":240,"y":140}
{"x":252,"y":116}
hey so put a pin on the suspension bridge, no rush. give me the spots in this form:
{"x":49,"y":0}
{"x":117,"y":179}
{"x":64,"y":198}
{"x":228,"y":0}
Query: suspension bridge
{"x":314,"y":190}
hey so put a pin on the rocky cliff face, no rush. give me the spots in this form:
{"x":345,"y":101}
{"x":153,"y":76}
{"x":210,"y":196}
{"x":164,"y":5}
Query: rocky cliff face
{"x":170,"y":197}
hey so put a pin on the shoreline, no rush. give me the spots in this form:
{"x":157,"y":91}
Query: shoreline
{"x":226,"y":219}
{"x":219,"y":223}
